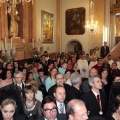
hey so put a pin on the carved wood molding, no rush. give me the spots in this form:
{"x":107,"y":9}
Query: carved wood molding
{"x":115,"y":8}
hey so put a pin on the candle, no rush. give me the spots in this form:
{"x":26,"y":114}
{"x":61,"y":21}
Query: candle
{"x":36,"y":43}
{"x":11,"y":43}
{"x":5,"y":43}
{"x":0,"y":45}
{"x":33,"y":43}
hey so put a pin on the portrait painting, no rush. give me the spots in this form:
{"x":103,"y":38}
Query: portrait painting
{"x":75,"y":21}
{"x":47,"y":27}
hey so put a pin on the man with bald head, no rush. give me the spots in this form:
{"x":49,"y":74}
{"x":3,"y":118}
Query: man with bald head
{"x":76,"y":110}
{"x":85,"y":85}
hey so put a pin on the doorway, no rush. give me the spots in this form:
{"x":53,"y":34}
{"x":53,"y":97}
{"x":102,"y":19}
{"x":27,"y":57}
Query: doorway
{"x":74,"y":46}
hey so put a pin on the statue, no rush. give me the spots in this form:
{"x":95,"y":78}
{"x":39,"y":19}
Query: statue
{"x":48,"y":29}
{"x":13,"y":31}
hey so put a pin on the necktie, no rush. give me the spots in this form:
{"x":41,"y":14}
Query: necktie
{"x":61,"y":108}
{"x":98,"y":98}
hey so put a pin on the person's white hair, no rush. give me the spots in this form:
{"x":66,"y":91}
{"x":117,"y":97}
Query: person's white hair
{"x":75,"y":78}
{"x":18,"y":72}
{"x":91,"y":79}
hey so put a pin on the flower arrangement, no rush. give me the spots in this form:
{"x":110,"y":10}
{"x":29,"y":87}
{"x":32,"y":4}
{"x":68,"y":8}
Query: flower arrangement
{"x":37,"y":51}
{"x":8,"y":56}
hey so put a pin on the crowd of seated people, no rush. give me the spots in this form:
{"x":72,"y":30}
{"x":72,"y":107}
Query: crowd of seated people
{"x":45,"y":90}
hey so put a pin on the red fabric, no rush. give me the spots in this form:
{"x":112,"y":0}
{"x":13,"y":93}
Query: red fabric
{"x":98,"y":68}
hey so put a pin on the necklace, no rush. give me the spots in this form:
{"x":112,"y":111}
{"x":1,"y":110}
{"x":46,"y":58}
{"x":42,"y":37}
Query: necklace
{"x":28,"y":106}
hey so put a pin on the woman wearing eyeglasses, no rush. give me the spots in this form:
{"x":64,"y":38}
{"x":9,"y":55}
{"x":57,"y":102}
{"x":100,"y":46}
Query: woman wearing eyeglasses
{"x":8,"y":108}
{"x":31,"y":106}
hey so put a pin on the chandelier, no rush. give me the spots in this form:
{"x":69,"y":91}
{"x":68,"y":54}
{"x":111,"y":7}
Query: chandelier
{"x":14,"y":2}
{"x":92,"y":26}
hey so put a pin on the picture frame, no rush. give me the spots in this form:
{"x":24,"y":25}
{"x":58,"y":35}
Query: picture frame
{"x":47,"y":25}
{"x":75,"y":21}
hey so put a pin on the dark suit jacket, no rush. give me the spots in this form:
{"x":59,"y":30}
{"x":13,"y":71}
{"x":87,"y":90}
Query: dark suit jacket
{"x":102,"y":51}
{"x":51,"y":90}
{"x":74,"y":93}
{"x":59,"y":117}
{"x":45,"y":67}
{"x":85,"y":86}
{"x":92,"y":104}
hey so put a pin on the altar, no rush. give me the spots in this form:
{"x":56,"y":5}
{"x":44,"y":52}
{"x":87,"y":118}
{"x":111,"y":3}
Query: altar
{"x":23,"y":50}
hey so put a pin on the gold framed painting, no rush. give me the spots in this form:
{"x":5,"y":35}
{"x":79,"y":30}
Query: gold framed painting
{"x":47,"y":20}
{"x":75,"y":21}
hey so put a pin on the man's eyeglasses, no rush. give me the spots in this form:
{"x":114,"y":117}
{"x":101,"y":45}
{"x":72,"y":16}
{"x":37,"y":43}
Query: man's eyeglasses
{"x":54,"y":109}
{"x":59,"y":78}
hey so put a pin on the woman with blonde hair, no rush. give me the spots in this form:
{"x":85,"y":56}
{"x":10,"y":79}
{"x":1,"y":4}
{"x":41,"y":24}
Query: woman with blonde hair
{"x":8,"y":108}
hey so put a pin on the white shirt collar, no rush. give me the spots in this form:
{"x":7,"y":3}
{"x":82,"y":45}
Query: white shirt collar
{"x":58,"y":103}
{"x":47,"y":119}
{"x":95,"y":93}
{"x":20,"y":85}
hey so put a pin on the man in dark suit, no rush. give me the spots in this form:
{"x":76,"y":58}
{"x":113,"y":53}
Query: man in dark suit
{"x":104,"y":50}
{"x":75,"y":92}
{"x":49,"y":110}
{"x":85,"y":85}
{"x":59,"y":81}
{"x":60,"y":95}
{"x":44,"y":64}
{"x":18,"y":75}
{"x":95,"y":100}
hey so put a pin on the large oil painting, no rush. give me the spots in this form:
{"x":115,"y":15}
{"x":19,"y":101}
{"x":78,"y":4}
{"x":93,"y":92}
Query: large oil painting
{"x":75,"y":21}
{"x":47,"y":27}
